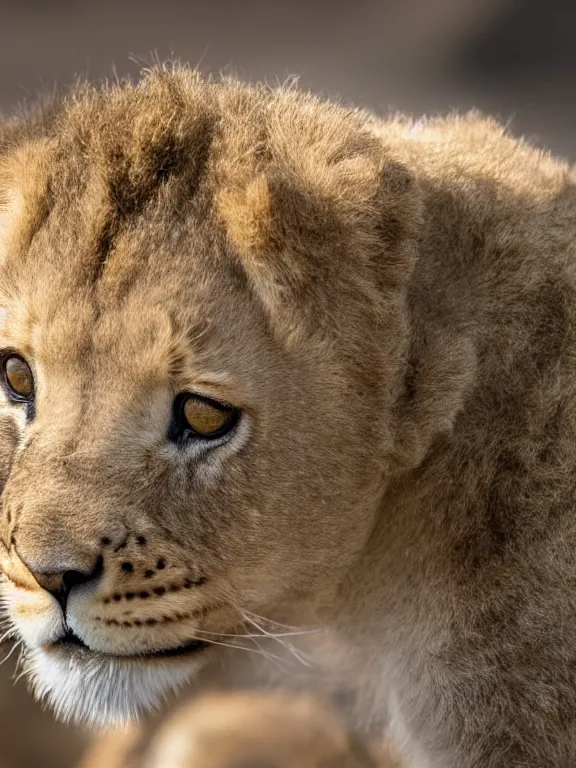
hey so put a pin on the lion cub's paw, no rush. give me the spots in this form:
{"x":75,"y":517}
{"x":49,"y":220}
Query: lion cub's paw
{"x":240,"y":730}
{"x":252,"y":730}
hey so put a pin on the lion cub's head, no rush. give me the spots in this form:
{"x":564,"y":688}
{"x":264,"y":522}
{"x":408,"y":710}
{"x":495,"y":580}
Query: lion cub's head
{"x":201,"y":323}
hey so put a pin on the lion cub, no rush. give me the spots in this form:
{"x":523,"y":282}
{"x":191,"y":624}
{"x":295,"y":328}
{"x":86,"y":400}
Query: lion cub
{"x":286,"y":376}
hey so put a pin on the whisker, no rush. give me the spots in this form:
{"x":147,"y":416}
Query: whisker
{"x":256,"y":617}
{"x":9,"y":633}
{"x":22,"y":674}
{"x":302,"y":657}
{"x":268,"y":628}
{"x":299,"y":656}
{"x":231,"y":645}
{"x":273,"y":659}
{"x":260,"y":634}
{"x":10,"y":652}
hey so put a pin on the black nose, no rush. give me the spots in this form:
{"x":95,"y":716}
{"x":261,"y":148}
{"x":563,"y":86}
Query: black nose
{"x":71,"y":579}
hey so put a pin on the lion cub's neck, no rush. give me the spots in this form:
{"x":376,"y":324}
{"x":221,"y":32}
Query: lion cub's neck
{"x":489,"y":312}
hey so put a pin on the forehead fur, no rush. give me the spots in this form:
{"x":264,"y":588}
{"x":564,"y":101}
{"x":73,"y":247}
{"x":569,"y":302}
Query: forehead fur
{"x":266,"y":166}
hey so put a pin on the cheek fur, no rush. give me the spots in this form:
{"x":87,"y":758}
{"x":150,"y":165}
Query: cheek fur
{"x":34,"y":614}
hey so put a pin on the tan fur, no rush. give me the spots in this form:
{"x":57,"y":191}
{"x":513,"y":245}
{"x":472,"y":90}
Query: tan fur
{"x":239,"y":730}
{"x":392,"y":305}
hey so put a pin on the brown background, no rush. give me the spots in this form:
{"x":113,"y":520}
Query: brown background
{"x":513,"y":58}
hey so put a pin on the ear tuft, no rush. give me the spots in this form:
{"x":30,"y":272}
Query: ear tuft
{"x":248,"y":215}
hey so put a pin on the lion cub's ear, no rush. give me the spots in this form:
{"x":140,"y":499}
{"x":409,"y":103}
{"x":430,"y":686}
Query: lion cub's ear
{"x":336,"y":223}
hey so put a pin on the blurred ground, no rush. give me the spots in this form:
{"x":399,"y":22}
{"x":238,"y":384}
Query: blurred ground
{"x":513,"y":58}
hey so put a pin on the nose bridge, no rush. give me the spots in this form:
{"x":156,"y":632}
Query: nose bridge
{"x":71,"y":413}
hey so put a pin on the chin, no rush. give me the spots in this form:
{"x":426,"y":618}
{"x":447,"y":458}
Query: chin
{"x":101,"y":691}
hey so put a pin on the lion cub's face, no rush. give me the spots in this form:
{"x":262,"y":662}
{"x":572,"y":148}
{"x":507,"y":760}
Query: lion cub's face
{"x":185,"y":457}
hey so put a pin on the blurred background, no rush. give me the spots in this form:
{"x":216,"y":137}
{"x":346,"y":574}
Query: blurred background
{"x":515,"y":59}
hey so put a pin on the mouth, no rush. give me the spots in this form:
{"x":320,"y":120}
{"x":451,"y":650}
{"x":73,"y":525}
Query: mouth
{"x":71,"y":641}
{"x":99,"y":677}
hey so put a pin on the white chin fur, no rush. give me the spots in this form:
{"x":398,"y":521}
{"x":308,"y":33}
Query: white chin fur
{"x":99,"y":691}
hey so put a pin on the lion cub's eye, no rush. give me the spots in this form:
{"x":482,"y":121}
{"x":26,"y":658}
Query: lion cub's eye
{"x":203,"y":417}
{"x":19,"y":378}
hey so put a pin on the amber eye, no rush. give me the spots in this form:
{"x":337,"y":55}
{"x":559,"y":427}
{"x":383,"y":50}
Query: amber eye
{"x":206,"y":418}
{"x":19,"y":378}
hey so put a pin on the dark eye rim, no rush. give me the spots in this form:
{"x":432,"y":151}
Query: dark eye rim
{"x":181,"y":430}
{"x":16,"y":397}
